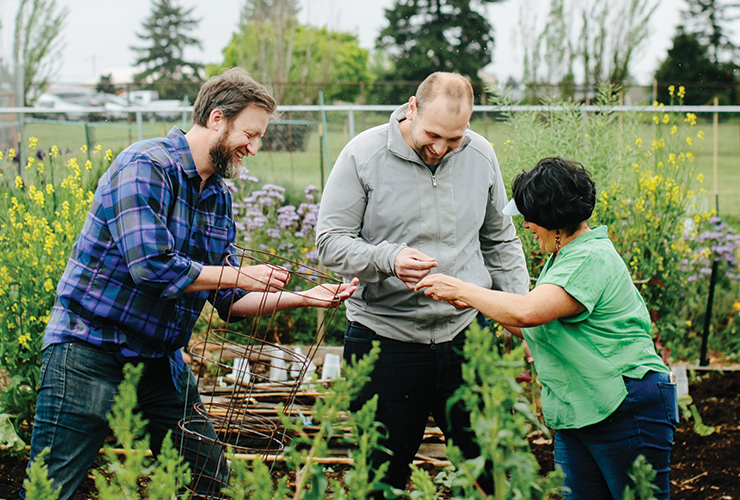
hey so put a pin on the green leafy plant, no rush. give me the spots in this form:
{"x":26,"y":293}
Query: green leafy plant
{"x":41,"y":214}
{"x":168,"y":474}
{"x":501,"y":417}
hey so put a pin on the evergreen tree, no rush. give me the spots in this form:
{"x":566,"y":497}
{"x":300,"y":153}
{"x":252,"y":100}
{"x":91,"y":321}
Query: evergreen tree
{"x":689,"y":64}
{"x":424,"y":36}
{"x":166,"y":33}
{"x":708,"y":19}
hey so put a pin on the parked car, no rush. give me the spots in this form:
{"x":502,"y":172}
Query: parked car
{"x":62,"y":109}
{"x":157,"y":109}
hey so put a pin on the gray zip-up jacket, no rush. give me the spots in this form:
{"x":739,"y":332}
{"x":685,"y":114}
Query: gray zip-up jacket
{"x":380,"y":197}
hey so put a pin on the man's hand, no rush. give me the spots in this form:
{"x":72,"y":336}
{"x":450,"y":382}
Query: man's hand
{"x":329,"y":295}
{"x":412,"y":265}
{"x":262,"y":278}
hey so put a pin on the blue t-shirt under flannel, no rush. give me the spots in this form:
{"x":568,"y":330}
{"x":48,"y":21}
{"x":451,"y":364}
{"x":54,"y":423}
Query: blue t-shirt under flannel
{"x":148,"y":234}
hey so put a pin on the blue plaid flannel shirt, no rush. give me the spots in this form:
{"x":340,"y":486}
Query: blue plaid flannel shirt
{"x":146,"y":238}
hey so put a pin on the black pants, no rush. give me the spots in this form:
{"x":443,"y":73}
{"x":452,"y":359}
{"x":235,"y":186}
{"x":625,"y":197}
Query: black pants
{"x":413,"y":381}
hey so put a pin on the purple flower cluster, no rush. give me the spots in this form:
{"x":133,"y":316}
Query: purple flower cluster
{"x":720,"y":242}
{"x":266,"y":221}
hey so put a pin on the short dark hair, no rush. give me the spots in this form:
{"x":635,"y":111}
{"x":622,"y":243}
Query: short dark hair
{"x":555,"y":194}
{"x":232,"y":92}
{"x":454,"y":86}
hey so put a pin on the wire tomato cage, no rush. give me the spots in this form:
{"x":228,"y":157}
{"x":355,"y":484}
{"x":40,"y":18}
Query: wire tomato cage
{"x":245,"y":375}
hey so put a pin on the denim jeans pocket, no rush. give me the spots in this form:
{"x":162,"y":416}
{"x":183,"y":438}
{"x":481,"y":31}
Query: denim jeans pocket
{"x":670,"y":398}
{"x":357,"y":340}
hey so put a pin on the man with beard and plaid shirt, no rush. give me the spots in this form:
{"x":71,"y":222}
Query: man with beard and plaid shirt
{"x":150,"y":254}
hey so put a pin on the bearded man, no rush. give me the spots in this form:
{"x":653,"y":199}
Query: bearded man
{"x":151,"y":252}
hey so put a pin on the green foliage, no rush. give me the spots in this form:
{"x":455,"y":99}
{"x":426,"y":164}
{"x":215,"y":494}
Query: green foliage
{"x":424,"y":36}
{"x":168,"y":475}
{"x":10,"y":442}
{"x":709,"y":20}
{"x":166,"y":33}
{"x":38,"y":29}
{"x":38,"y":486}
{"x":642,"y":476}
{"x":40,"y":218}
{"x":331,"y":423}
{"x":688,"y":62}
{"x":319,"y":59}
{"x":645,"y":193}
{"x":502,"y":418}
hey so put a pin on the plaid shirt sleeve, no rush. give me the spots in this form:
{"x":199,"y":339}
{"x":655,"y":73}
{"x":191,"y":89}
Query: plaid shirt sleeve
{"x":134,"y":203}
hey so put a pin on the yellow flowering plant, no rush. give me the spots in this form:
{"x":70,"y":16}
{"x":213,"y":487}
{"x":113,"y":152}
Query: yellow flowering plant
{"x":645,"y":178}
{"x":42,"y":207}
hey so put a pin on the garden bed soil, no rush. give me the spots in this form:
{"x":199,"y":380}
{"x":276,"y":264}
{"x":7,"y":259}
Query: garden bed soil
{"x":703,"y":467}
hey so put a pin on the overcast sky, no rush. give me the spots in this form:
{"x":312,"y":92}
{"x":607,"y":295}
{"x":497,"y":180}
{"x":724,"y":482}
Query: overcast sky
{"x":99,"y":33}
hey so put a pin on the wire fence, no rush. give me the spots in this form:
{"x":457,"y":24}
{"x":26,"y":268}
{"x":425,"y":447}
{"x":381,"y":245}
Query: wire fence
{"x":302,"y":143}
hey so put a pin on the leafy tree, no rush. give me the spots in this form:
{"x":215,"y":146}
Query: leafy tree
{"x":592,"y":39}
{"x":38,"y":28}
{"x":166,"y":33}
{"x":424,"y":36}
{"x":689,"y":64}
{"x":332,"y":61}
{"x":708,"y":19}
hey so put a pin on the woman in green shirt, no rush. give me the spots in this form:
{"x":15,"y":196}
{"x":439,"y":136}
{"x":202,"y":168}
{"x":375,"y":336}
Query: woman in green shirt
{"x":605,"y":390}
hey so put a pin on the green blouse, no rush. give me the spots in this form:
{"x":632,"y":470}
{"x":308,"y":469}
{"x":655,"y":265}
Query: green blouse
{"x":581,"y":359}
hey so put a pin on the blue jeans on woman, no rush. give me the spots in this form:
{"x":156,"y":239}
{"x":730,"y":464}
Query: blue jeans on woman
{"x":413,"y":381}
{"x":76,"y":391}
{"x":597,"y":459}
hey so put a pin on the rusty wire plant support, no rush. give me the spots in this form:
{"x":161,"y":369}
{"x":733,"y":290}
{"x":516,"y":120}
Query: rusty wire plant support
{"x":252,"y":365}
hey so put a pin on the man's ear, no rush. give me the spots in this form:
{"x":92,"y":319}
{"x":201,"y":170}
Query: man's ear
{"x":216,"y":119}
{"x":413,"y":108}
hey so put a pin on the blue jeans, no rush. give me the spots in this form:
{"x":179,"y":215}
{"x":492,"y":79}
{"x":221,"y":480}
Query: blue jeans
{"x":597,"y":459}
{"x":413,"y":381}
{"x":76,"y":391}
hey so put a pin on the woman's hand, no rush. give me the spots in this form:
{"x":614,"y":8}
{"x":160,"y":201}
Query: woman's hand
{"x":329,"y":295}
{"x":442,"y":287}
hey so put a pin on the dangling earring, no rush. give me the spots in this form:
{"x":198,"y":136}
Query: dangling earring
{"x":557,"y":241}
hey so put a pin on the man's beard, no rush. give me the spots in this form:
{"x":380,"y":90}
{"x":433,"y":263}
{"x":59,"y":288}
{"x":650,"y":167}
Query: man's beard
{"x":222,"y":159}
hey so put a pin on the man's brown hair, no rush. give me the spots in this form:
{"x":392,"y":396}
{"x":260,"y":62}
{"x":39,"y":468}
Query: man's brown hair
{"x":232,"y":91}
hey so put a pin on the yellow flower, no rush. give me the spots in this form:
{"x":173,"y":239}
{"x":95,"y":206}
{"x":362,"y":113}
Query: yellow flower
{"x":33,"y":142}
{"x":700,"y":135}
{"x":24,"y":339}
{"x":656,"y":120}
{"x":681,"y":91}
{"x":666,"y":118}
{"x":18,"y":182}
{"x":671,"y":89}
{"x":674,"y":129}
{"x":736,"y":305}
{"x":700,"y":178}
{"x":11,"y":154}
{"x":655,"y":104}
{"x":54,"y":151}
{"x":689,"y":141}
{"x":108,"y":155}
{"x":690,"y":118}
{"x":1,"y":155}
{"x":98,"y":148}
{"x":84,"y":148}
{"x":638,"y":141}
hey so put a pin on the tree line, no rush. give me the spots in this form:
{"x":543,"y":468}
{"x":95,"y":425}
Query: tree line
{"x":580,"y":44}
